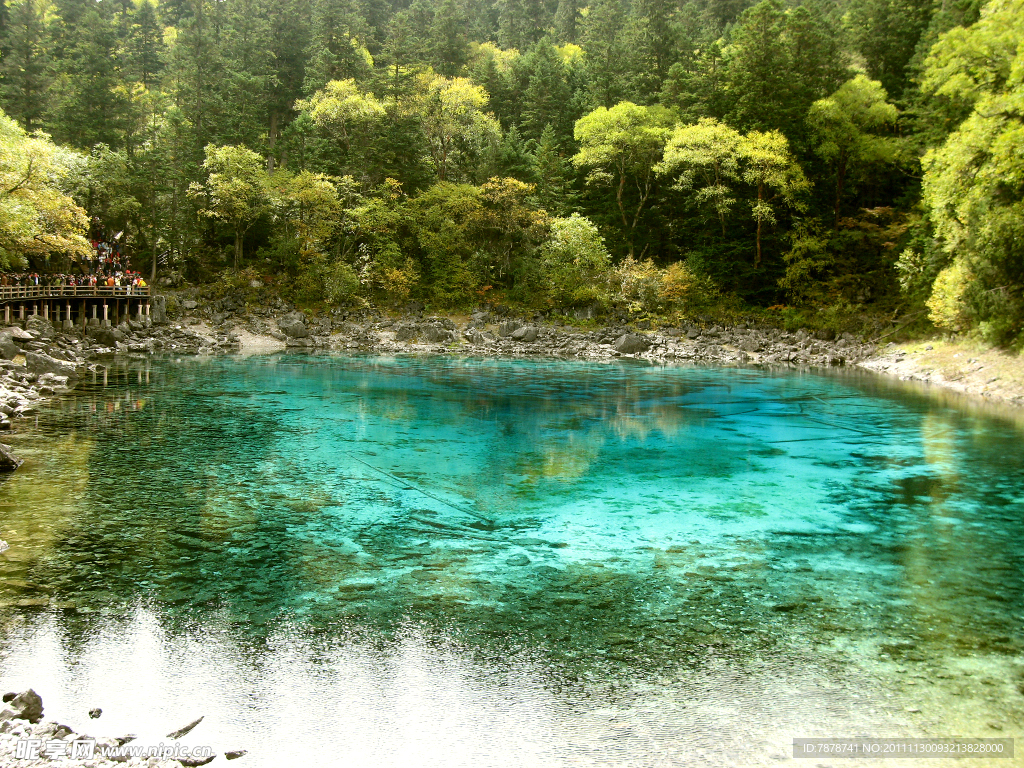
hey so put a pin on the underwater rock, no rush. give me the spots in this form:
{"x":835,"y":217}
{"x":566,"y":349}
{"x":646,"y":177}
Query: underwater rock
{"x":519,"y":559}
{"x":8,"y":463}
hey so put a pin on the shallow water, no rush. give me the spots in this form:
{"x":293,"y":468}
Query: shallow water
{"x":432,"y":561}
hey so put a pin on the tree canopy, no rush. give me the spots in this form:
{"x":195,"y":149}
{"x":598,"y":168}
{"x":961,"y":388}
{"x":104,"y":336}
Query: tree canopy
{"x":851,"y":156}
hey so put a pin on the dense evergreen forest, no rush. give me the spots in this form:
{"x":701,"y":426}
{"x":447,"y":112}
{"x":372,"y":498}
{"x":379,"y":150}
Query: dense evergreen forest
{"x":659,"y":155}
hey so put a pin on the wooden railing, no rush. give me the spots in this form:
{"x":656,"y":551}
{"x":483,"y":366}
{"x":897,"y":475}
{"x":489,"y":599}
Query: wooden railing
{"x":13,"y":292}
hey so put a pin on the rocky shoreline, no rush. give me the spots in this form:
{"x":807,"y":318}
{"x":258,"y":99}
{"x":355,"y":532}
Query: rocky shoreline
{"x":486,"y":334}
{"x":39,"y":361}
{"x":28,"y":740}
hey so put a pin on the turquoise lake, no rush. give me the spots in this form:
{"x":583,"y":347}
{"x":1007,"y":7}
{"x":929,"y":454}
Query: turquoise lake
{"x":434,"y":561}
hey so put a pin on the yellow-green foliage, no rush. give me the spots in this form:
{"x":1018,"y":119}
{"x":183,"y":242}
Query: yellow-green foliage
{"x":946,"y":304}
{"x":575,"y":263}
{"x":400,"y":281}
{"x":644,"y":287}
{"x":36,"y":217}
{"x":638,"y":284}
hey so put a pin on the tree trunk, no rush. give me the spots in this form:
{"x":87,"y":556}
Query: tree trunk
{"x":840,"y":179}
{"x":238,"y":246}
{"x":622,"y":211}
{"x":153,"y":239}
{"x":760,"y":222}
{"x":271,"y":141}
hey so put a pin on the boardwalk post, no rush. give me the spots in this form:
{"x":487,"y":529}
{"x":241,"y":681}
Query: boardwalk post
{"x":7,"y":314}
{"x":68,"y":325}
{"x":106,"y":318}
{"x":94,"y":321}
{"x":46,"y":310}
{"x":21,"y":311}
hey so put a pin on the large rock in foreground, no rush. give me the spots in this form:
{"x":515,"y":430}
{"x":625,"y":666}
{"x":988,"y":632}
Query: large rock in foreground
{"x":8,"y":461}
{"x":41,"y":327}
{"x":8,"y":349}
{"x":158,"y":310}
{"x":27,"y":705}
{"x":631,"y":344}
{"x":294,"y":325}
{"x":38,"y":363}
{"x":527,"y":333}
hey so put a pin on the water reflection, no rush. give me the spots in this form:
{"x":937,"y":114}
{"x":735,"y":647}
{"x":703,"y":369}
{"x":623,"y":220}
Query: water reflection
{"x":614,"y":525}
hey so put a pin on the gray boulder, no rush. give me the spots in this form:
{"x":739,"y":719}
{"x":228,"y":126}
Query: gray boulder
{"x":28,"y":705}
{"x":8,"y":461}
{"x":406,"y":332}
{"x":527,"y":333}
{"x":104,"y":336}
{"x":38,"y":363}
{"x":41,"y":327}
{"x":294,"y":325}
{"x":508,"y":327}
{"x":474,"y":336}
{"x":19,"y":335}
{"x":436,"y":334}
{"x":631,"y":344}
{"x":8,"y":349}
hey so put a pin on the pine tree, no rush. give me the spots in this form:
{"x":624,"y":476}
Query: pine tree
{"x":567,"y":20}
{"x":144,"y":47}
{"x":521,"y":23}
{"x":657,"y":42}
{"x":91,"y":106}
{"x":554,"y":175}
{"x":886,"y":32}
{"x":24,"y":68}
{"x":547,"y":96}
{"x":336,"y":50}
{"x":607,"y":59}
{"x":760,"y":68}
{"x":448,"y":41}
{"x":249,"y":77}
{"x":195,"y":70}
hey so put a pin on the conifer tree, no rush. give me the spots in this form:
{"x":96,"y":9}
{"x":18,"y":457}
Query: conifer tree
{"x":25,"y":65}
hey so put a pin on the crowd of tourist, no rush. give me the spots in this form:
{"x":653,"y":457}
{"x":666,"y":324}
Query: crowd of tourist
{"x":127,"y":280}
{"x":105,"y":266}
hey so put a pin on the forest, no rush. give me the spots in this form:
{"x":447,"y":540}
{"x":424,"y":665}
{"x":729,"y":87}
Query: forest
{"x":825,"y":159}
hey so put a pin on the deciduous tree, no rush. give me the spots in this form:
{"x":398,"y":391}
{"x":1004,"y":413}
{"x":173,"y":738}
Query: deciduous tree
{"x":236,"y":191}
{"x":622,"y":146}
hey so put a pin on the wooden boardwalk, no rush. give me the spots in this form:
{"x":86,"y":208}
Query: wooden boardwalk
{"x":22,"y":292}
{"x":75,"y":305}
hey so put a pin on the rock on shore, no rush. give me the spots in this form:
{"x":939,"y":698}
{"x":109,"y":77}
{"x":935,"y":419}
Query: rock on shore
{"x":21,"y":723}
